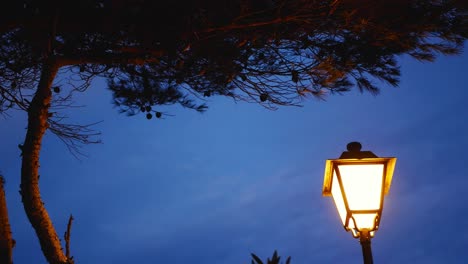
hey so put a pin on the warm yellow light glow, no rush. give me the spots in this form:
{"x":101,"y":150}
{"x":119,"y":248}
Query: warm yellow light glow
{"x":362,"y":185}
{"x":338,"y":198}
{"x":364,"y":221}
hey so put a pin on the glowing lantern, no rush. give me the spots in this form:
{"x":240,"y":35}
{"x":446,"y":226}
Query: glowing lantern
{"x":358,"y":182}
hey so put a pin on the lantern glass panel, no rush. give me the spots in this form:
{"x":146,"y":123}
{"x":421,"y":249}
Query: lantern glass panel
{"x":364,"y":221}
{"x":362,"y":185}
{"x":338,"y":198}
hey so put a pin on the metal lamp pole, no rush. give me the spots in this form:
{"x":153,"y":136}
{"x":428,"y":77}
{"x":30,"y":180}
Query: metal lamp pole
{"x":365,"y":240}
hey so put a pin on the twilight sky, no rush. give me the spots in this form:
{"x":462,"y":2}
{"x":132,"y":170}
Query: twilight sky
{"x":214,"y":187}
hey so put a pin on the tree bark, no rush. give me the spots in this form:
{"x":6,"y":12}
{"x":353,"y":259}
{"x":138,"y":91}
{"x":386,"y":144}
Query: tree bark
{"x":6,"y":241}
{"x":31,"y":197}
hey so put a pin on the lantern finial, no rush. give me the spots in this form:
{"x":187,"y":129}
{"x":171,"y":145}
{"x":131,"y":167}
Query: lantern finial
{"x":354,"y":152}
{"x":354,"y":146}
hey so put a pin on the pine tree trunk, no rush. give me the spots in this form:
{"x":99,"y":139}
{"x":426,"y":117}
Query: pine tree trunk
{"x":6,"y":240}
{"x":31,"y":197}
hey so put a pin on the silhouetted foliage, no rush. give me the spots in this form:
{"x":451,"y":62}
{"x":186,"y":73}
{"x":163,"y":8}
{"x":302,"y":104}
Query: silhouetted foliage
{"x":275,"y":259}
{"x":271,"y":52}
{"x":153,"y":53}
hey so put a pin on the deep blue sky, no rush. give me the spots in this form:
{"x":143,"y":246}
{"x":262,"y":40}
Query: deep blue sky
{"x":213,"y":187}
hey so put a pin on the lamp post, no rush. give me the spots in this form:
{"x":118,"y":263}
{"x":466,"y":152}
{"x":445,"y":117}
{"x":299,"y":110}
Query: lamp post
{"x":358,"y":182}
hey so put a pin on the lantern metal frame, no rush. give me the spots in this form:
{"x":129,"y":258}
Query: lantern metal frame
{"x":332,"y":165}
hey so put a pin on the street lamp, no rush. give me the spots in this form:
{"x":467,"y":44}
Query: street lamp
{"x":358,"y":181}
